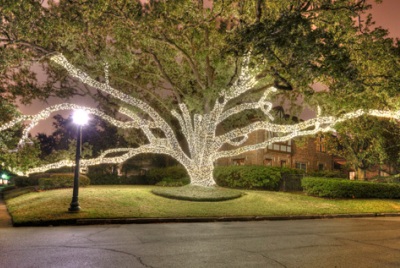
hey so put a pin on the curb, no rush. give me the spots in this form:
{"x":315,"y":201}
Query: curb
{"x":79,"y":222}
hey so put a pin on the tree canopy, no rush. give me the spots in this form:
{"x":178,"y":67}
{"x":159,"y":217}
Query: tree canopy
{"x":366,"y":143}
{"x":185,"y":55}
{"x":184,"y":52}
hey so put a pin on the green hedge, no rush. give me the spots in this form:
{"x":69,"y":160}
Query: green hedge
{"x":339,"y":188}
{"x":167,"y":176}
{"x":388,"y":179}
{"x":104,"y":179}
{"x":113,"y":179}
{"x":327,"y":174}
{"x":251,"y":177}
{"x":25,"y":181}
{"x":15,"y":192}
{"x":61,"y":180}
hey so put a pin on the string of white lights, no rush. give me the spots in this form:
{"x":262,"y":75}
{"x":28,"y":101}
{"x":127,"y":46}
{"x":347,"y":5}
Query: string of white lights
{"x":296,"y":130}
{"x":158,"y":121}
{"x":200,"y":132}
{"x":262,"y":104}
{"x":46,"y":113}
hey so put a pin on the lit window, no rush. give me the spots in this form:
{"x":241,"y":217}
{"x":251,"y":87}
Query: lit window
{"x":267,"y":162}
{"x":238,"y":161}
{"x":320,"y":142}
{"x":302,"y":166}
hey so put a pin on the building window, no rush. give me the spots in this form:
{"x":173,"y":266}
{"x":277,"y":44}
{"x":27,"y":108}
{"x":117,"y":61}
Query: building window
{"x":268,"y":162}
{"x":320,"y":167}
{"x":285,"y":147}
{"x":238,"y":161}
{"x":302,"y":166}
{"x":321,"y":147}
{"x":283,"y":163}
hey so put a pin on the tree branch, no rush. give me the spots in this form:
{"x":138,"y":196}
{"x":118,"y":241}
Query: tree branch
{"x":320,"y":124}
{"x":166,"y":76}
{"x":186,"y":56}
{"x":251,"y":106}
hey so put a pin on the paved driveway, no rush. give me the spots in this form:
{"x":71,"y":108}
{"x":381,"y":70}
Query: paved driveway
{"x":364,"y":242}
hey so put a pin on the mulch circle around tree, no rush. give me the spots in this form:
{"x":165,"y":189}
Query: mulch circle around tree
{"x":198,"y":193}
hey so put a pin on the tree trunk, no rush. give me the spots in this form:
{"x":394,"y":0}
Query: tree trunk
{"x":201,"y":175}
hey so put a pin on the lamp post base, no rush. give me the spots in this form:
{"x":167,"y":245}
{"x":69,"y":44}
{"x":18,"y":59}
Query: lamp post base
{"x":74,"y":207}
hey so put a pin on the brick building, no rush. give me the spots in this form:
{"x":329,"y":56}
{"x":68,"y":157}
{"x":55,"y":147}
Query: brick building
{"x":308,"y":154}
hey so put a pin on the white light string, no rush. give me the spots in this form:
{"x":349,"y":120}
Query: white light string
{"x":199,"y":131}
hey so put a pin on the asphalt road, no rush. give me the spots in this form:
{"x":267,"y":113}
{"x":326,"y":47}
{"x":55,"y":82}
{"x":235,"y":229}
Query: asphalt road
{"x":362,"y":242}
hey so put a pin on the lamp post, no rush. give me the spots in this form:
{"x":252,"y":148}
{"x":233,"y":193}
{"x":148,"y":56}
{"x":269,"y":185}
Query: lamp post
{"x":80,"y":118}
{"x":4,"y":178}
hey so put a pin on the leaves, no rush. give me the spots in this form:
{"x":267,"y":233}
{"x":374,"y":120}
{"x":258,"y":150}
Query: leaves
{"x":366,"y":142}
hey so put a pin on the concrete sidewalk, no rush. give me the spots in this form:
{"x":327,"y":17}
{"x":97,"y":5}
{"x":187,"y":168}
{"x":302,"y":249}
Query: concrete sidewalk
{"x":5,"y":219}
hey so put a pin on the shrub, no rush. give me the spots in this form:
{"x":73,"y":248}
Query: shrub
{"x":339,"y":188}
{"x":8,"y":188}
{"x":388,"y":179}
{"x":22,"y":181}
{"x":170,"y":174}
{"x":61,"y":180}
{"x":327,"y":174}
{"x":249,"y":177}
{"x":170,"y":182}
{"x":15,"y":192}
{"x":134,"y":179}
{"x":113,"y":179}
{"x":105,"y":179}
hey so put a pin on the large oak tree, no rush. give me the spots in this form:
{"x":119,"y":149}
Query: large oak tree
{"x":184,"y":55}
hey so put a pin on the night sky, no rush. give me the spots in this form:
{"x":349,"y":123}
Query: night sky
{"x":385,"y":15}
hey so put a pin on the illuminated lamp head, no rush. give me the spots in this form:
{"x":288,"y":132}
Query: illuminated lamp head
{"x":80,"y":117}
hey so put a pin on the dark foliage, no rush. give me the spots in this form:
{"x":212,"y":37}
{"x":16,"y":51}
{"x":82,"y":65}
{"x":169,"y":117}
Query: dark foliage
{"x":339,"y":188}
{"x":251,"y":177}
{"x":56,"y":181}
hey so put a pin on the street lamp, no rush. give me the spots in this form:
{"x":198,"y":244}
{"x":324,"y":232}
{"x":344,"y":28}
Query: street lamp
{"x":4,"y":179}
{"x":80,"y":117}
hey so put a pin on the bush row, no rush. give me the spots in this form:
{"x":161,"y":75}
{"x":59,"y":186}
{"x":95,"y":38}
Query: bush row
{"x":25,"y":181}
{"x":251,"y":177}
{"x":168,"y":176}
{"x":328,"y":174}
{"x":60,"y":180}
{"x":389,"y":179}
{"x":339,"y":188}
{"x":50,"y":180}
{"x":13,"y":192}
{"x":244,"y":177}
{"x":113,"y":179}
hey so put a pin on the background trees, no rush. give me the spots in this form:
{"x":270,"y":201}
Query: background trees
{"x":97,"y":137}
{"x":365,"y":143}
{"x":330,"y":42}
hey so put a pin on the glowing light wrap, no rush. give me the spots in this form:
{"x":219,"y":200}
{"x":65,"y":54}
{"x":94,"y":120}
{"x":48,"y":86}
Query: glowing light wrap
{"x":46,"y":113}
{"x":205,"y":147}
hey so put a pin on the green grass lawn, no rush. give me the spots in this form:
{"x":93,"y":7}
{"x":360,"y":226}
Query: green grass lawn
{"x":139,"y":202}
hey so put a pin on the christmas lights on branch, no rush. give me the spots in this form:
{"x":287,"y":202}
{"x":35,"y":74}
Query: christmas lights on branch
{"x":199,"y":130}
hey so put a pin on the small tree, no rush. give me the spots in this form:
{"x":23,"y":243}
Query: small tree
{"x":366,"y":142}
